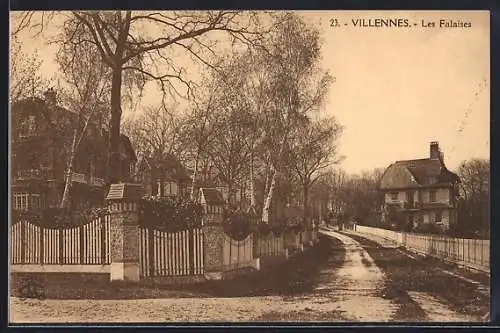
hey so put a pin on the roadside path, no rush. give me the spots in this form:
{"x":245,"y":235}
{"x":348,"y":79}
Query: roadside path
{"x":356,"y":286}
{"x":347,"y":279}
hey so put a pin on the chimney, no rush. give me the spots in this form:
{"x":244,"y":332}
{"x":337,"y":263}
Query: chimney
{"x":434,"y":151}
{"x":50,"y":96}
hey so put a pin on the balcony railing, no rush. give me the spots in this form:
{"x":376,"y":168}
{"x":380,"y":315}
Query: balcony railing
{"x":79,"y":178}
{"x":436,"y":204}
{"x":46,"y":173}
{"x":39,"y":173}
{"x":87,"y":179}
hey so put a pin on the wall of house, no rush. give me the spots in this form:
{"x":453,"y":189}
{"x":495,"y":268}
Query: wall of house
{"x":401,"y":196}
{"x":442,"y":195}
{"x":429,"y":217}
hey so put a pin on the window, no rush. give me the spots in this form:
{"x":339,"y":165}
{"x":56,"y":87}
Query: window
{"x":438,"y":216}
{"x":432,"y":196}
{"x":430,"y":180}
{"x":21,"y":201}
{"x":394,"y":196}
{"x":35,"y":201}
{"x":170,"y":188}
{"x":158,"y":190}
{"x":28,"y":126}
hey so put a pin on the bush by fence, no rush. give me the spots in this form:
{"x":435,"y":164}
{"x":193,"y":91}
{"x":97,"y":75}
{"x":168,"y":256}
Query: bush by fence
{"x":170,"y":214}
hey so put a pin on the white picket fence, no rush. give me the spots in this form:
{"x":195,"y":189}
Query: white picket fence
{"x":161,"y":254}
{"x":88,"y":244}
{"x":270,"y":246}
{"x":237,"y":254}
{"x":474,"y":253}
{"x":170,"y":254}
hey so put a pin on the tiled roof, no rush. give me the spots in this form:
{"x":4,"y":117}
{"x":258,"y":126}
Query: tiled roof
{"x":125,"y":191}
{"x":423,"y":169}
{"x":212,"y":196}
{"x":170,"y":166}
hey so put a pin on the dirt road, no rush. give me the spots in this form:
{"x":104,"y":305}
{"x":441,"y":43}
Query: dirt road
{"x":346,"y":279}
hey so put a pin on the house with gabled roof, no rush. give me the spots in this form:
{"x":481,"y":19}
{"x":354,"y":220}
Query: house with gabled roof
{"x":163,"y":176}
{"x":41,"y":136}
{"x":424,"y":191}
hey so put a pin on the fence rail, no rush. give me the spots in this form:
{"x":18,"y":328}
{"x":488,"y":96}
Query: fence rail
{"x":170,"y":254}
{"x":474,"y":253}
{"x":83,"y":245}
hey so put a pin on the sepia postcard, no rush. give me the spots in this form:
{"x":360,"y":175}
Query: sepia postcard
{"x":261,"y":167}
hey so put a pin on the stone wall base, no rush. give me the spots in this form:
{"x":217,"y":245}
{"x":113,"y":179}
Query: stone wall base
{"x":124,"y":271}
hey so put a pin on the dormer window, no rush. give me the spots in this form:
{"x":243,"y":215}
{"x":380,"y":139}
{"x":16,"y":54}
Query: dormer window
{"x":167,"y":188}
{"x":170,"y":188}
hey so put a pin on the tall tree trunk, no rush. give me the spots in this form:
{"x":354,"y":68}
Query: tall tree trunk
{"x":69,"y":173}
{"x":305,"y":189}
{"x":114,"y":139}
{"x":274,"y":172}
{"x":195,"y":174}
{"x":267,"y":203}
{"x":116,"y":107}
{"x":230,"y":194}
{"x":253,"y":199}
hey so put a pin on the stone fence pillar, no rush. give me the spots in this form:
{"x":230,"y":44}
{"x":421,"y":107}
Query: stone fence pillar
{"x":213,"y":244}
{"x":123,"y":201}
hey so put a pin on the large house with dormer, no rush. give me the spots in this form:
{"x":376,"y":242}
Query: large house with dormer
{"x":41,"y":137}
{"x":423,"y":191}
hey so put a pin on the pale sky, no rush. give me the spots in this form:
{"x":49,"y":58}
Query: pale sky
{"x":397,"y":89}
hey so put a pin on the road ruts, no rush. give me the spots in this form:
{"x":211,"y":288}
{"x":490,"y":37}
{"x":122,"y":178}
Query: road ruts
{"x":357,"y":284}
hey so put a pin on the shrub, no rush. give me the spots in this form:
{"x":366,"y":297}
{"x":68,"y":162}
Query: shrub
{"x":170,"y":214}
{"x":58,"y":217}
{"x":238,"y":224}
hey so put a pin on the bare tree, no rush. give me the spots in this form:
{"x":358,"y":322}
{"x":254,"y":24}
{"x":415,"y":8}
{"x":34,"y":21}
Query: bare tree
{"x":474,"y":194}
{"x":155,"y":132}
{"x":25,"y":78}
{"x":297,"y":87}
{"x":196,"y":133}
{"x":87,"y":89}
{"x":360,"y":197}
{"x":128,"y":48}
{"x":313,"y":148}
